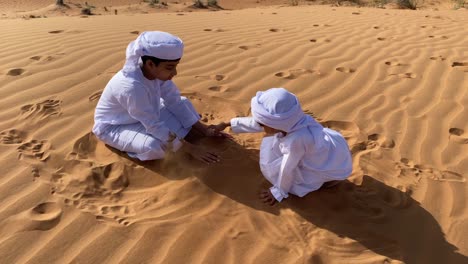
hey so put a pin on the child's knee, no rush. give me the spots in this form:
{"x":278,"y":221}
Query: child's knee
{"x":152,"y":150}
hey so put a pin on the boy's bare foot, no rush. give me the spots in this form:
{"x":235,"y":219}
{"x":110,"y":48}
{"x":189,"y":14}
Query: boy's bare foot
{"x":267,"y":197}
{"x":200,"y":154}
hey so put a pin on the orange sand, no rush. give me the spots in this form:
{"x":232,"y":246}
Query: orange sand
{"x":392,"y":81}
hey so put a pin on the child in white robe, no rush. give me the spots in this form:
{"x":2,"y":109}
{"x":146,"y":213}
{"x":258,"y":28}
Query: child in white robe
{"x":141,"y":111}
{"x":297,"y":155}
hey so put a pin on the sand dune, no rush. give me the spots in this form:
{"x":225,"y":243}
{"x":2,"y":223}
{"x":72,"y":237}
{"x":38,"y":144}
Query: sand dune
{"x":393,"y":82}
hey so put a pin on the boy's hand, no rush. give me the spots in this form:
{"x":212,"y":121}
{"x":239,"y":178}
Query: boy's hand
{"x":219,"y":127}
{"x":267,"y":197}
{"x":217,"y":130}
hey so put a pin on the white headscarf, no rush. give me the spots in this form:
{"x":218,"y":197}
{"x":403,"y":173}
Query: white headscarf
{"x":279,"y":109}
{"x":161,"y":45}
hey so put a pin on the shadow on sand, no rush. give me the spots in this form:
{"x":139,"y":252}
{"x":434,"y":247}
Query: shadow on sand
{"x":383,"y":219}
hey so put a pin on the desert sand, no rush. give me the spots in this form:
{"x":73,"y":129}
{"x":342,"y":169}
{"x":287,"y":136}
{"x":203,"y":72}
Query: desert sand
{"x":393,"y":82}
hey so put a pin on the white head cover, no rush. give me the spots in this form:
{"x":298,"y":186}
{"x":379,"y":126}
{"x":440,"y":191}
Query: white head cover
{"x":277,"y":108}
{"x":161,"y":45}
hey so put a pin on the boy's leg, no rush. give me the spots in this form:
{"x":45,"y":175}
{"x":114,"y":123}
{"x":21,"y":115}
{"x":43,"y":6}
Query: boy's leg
{"x":133,"y":139}
{"x":182,"y":121}
{"x":176,"y":125}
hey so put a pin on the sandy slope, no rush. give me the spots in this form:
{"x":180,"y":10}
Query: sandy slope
{"x":393,"y":82}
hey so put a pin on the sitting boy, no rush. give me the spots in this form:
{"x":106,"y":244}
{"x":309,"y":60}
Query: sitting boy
{"x":297,"y":154}
{"x":141,"y":111}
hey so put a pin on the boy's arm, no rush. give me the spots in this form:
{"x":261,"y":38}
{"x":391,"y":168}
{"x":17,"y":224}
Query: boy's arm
{"x":238,"y":125}
{"x":172,"y":100}
{"x":245,"y":125}
{"x":140,"y":108}
{"x":292,"y":155}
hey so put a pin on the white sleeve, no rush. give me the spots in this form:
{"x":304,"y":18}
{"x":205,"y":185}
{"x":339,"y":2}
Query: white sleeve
{"x":172,"y":100}
{"x":292,"y":155}
{"x":245,"y":125}
{"x":137,"y":103}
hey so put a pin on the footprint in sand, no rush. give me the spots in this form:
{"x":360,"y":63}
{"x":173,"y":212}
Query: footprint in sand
{"x":382,"y":141}
{"x":408,"y":167}
{"x":296,"y":73}
{"x":136,"y":32}
{"x":448,"y":176}
{"x":42,"y":110}
{"x":397,"y":197}
{"x":208,"y":117}
{"x":407,"y":75}
{"x":55,"y":31}
{"x":315,"y":40}
{"x":249,"y":47}
{"x":216,"y":77}
{"x":456,"y":131}
{"x":15,"y":72}
{"x":44,"y":216}
{"x":120,"y":220}
{"x":438,"y":58}
{"x":218,"y":88}
{"x":363,"y":147}
{"x":457,"y":64}
{"x":234,"y":233}
{"x":457,"y":135}
{"x":44,"y":59}
{"x":87,"y":180}
{"x":34,"y":150}
{"x":93,"y":188}
{"x":73,"y":202}
{"x":12,"y":136}
{"x":95,"y":96}
{"x":274,"y":30}
{"x":381,"y":39}
{"x":214,"y":30}
{"x":345,"y":69}
{"x":114,"y":210}
{"x":442,"y":37}
{"x":463,"y":65}
{"x":393,"y":63}
{"x":373,"y":142}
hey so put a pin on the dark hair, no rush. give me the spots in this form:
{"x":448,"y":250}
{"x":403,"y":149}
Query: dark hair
{"x":154,"y":60}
